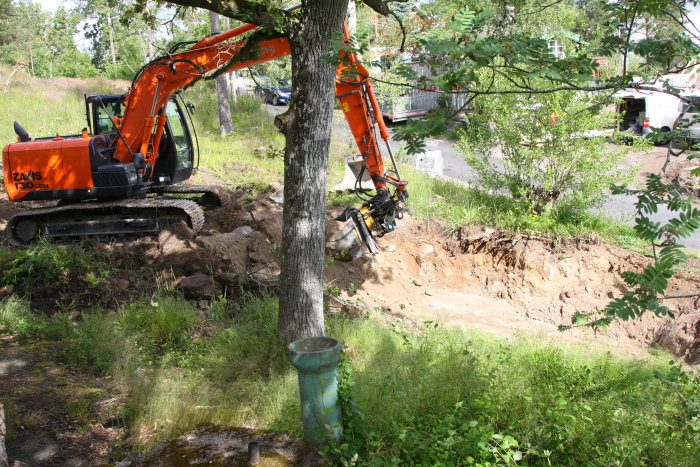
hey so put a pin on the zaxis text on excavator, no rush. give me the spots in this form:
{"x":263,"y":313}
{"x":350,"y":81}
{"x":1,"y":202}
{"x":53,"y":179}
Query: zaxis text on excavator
{"x":114,"y":177}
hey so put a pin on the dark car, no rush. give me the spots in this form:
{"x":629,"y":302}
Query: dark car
{"x":275,"y":92}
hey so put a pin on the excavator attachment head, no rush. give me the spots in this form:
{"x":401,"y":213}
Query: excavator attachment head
{"x":350,"y":241}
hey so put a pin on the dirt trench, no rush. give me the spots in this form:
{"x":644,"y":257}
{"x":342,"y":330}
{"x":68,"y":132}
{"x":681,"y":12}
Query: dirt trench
{"x":477,"y":278}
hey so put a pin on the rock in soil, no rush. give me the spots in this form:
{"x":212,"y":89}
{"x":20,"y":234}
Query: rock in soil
{"x":681,"y":337}
{"x":200,"y":286}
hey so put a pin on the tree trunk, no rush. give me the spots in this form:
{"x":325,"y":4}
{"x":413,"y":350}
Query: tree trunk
{"x":111,"y":39}
{"x":3,"y":452}
{"x":307,"y":127}
{"x":352,"y":17}
{"x":230,"y":77}
{"x":222,"y":91}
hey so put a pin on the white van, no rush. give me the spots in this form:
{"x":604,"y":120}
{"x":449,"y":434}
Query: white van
{"x":688,"y":113}
{"x":641,"y":110}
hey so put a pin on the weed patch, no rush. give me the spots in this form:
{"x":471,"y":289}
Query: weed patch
{"x":458,"y":205}
{"x":45,"y":262}
{"x":445,"y":397}
{"x":431,"y":396}
{"x":17,"y":318}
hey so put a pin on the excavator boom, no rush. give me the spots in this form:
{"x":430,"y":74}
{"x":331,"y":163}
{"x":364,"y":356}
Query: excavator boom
{"x":140,"y":143}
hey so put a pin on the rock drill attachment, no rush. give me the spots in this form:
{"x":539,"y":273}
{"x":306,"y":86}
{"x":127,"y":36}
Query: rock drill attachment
{"x":353,"y":237}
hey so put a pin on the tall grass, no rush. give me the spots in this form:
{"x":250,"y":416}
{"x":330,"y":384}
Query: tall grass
{"x":252,"y":155}
{"x":430,"y":396}
{"x":459,"y":205}
{"x":46,"y":107}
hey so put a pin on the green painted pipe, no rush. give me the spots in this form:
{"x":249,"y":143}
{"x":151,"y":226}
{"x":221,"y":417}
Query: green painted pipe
{"x":316,"y":360}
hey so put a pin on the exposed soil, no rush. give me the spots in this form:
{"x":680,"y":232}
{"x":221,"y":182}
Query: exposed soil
{"x":54,"y":416}
{"x":477,"y":279}
{"x":652,"y":160}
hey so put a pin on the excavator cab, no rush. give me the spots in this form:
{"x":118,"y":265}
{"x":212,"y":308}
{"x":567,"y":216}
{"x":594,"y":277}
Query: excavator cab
{"x":176,"y":153}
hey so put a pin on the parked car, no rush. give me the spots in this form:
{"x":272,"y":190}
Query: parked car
{"x":274,"y":91}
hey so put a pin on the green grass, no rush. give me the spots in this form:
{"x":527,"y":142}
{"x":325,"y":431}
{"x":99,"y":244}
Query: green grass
{"x":430,"y":396}
{"x":251,"y":155}
{"x":48,"y":106}
{"x":44,"y":262}
{"x":17,"y":318}
{"x":460,"y":205}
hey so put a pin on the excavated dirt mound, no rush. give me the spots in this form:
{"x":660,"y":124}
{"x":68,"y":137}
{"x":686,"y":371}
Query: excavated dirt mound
{"x":478,"y":278}
{"x":482,"y":279}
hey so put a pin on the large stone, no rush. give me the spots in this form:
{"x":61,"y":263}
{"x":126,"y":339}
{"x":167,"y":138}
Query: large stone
{"x":176,"y":239}
{"x":681,"y":337}
{"x":200,"y":286}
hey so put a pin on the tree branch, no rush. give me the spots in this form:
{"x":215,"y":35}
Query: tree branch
{"x":540,"y":9}
{"x":677,"y":20}
{"x":249,"y":51}
{"x":567,"y":87}
{"x":242,"y":10}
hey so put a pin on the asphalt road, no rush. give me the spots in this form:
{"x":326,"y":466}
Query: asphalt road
{"x":619,"y":207}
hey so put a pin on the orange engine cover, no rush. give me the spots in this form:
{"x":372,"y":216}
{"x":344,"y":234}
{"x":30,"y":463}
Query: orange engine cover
{"x":46,"y":164}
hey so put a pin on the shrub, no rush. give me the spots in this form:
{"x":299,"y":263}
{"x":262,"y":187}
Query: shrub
{"x":541,"y":150}
{"x":45,"y":262}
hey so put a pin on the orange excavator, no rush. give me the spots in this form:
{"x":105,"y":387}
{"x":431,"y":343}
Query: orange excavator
{"x":123,"y":173}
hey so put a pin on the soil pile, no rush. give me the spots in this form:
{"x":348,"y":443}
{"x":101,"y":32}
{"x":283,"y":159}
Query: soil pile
{"x":483,"y":279}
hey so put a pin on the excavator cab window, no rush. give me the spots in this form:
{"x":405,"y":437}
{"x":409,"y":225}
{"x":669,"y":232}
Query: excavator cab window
{"x":180,"y":136}
{"x":176,"y":152}
{"x":100,"y":110}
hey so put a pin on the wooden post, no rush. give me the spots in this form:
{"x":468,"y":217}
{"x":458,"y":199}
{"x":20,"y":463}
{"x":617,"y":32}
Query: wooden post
{"x":3,"y":453}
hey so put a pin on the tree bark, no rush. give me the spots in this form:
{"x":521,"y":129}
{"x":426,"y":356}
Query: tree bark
{"x":230,"y":77}
{"x":112,"y":50}
{"x":222,"y":90}
{"x":307,"y":127}
{"x":3,"y":452}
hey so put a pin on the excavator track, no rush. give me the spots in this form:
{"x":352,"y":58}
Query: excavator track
{"x":211,"y":196}
{"x":104,"y":219}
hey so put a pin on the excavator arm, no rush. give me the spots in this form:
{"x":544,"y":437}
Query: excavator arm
{"x":144,"y":117}
{"x":104,"y":176}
